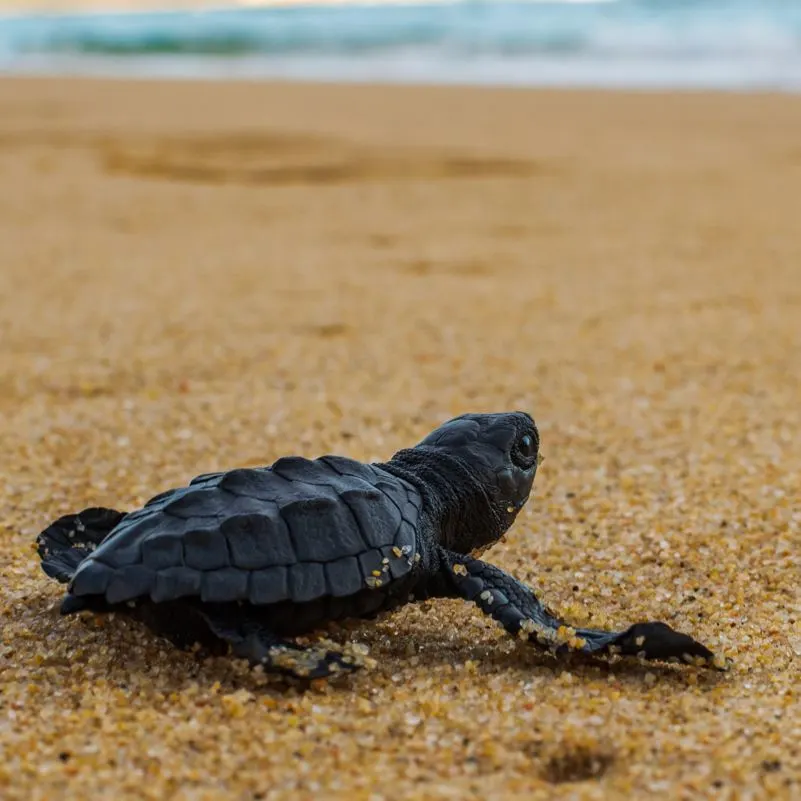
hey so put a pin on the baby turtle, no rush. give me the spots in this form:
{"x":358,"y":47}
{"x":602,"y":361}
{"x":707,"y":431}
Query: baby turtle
{"x":253,"y":556}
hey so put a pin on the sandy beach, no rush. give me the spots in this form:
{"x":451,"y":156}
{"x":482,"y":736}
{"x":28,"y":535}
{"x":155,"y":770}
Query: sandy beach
{"x":202,"y":276}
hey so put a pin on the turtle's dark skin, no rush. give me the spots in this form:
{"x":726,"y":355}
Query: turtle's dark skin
{"x":254,"y":556}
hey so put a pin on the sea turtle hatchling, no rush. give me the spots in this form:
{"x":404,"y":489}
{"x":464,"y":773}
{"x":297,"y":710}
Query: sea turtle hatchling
{"x":253,"y":556}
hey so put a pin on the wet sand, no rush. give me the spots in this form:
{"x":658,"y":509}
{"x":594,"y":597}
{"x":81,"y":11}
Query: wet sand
{"x":197,"y":277}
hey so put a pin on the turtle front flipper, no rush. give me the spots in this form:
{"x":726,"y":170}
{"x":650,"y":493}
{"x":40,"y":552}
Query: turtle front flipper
{"x":523,"y":615}
{"x":251,"y":640}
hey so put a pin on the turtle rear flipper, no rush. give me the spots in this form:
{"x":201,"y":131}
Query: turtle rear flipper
{"x":64,"y":544}
{"x":252,"y":640}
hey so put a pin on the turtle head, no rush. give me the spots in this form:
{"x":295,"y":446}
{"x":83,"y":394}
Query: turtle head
{"x":485,"y":466}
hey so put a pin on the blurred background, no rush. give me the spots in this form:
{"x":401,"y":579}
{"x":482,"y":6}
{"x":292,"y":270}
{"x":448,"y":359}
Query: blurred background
{"x":721,"y":44}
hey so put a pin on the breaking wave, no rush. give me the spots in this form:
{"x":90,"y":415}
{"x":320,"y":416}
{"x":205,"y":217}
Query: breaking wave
{"x":725,"y":43}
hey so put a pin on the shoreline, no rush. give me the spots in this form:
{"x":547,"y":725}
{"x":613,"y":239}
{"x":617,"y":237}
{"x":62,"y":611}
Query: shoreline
{"x":399,"y":85}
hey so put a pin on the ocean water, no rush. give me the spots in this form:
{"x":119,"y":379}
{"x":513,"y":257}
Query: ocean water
{"x":689,"y":44}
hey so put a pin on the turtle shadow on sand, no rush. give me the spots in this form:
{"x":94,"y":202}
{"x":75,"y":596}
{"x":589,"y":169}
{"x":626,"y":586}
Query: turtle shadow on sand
{"x":411,"y":650}
{"x":436,"y":648}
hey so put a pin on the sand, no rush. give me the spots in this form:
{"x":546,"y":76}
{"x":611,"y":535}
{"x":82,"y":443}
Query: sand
{"x":199,"y":277}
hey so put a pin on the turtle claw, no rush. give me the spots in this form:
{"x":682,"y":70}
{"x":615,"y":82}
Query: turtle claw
{"x":307,"y":663}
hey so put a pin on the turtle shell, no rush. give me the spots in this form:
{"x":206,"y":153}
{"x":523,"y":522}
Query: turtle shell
{"x":296,"y":531}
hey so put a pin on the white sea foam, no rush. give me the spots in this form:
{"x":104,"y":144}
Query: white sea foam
{"x":729,"y":44}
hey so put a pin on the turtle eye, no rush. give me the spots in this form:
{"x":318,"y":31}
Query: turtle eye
{"x":526,"y":446}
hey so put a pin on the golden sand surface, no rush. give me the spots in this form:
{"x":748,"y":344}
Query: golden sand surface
{"x":198,"y":277}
